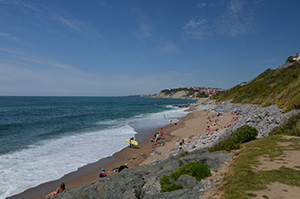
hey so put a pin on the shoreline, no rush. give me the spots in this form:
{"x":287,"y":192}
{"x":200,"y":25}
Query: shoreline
{"x":90,"y":172}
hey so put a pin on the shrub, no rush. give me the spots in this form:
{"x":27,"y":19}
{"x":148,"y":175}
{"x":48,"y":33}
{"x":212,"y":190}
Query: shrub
{"x":195,"y":169}
{"x":165,"y":180}
{"x":243,"y":134}
{"x":246,"y":133}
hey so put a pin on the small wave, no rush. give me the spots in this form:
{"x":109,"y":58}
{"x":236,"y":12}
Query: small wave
{"x":108,"y":122}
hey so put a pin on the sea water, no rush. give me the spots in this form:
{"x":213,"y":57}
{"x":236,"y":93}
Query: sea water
{"x":44,"y":138}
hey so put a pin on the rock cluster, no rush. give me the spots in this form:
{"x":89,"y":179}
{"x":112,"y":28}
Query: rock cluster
{"x":264,"y":119}
{"x":143,"y":181}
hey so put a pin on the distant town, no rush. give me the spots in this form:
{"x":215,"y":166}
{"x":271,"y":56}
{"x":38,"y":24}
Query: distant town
{"x":190,"y":92}
{"x":207,"y":90}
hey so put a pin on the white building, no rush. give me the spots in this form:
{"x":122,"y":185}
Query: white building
{"x":296,"y":58}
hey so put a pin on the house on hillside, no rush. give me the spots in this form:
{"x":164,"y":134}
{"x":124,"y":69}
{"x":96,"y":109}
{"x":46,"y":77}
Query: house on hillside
{"x":296,"y":58}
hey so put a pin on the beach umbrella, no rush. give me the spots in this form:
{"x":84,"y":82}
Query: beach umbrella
{"x":219,"y":111}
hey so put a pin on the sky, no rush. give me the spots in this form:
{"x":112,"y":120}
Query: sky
{"x":129,"y":47}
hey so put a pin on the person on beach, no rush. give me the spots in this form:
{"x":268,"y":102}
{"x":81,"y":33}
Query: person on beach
{"x":171,"y":122}
{"x":102,"y":174}
{"x":162,"y":143}
{"x":59,"y":189}
{"x":161,"y":132}
{"x":157,"y":137}
{"x":180,"y":146}
{"x":207,"y":130}
{"x":131,"y":145}
{"x":122,"y":167}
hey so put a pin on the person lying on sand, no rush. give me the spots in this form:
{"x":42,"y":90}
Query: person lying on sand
{"x":122,"y":167}
{"x":59,"y":189}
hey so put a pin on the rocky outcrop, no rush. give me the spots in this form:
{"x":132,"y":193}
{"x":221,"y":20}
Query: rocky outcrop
{"x":143,"y":181}
{"x":264,"y":119}
{"x":179,"y":94}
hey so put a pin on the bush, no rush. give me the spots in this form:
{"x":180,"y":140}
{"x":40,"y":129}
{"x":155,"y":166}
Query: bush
{"x":246,"y":133}
{"x":241,"y":135}
{"x":195,"y":169}
{"x":165,"y":180}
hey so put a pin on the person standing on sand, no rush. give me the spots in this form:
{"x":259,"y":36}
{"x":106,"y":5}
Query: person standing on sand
{"x":59,"y":189}
{"x":131,"y":145}
{"x":161,"y":132}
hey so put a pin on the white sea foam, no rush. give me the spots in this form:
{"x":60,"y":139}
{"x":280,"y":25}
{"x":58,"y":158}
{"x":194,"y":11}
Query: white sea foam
{"x":50,"y":160}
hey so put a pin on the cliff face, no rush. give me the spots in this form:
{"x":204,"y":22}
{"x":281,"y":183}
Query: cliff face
{"x":179,"y":94}
{"x":143,"y":181}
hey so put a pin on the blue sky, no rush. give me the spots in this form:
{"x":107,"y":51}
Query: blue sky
{"x":125,"y":47}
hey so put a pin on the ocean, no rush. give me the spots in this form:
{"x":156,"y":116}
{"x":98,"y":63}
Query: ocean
{"x":44,"y":138}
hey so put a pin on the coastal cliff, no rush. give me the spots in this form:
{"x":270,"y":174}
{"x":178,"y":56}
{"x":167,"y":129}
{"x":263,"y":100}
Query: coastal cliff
{"x":145,"y":181}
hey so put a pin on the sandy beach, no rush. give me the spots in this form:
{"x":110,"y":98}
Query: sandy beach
{"x":195,"y":123}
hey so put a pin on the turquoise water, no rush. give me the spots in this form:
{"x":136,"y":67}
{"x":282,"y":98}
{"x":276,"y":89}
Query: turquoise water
{"x":34,"y":129}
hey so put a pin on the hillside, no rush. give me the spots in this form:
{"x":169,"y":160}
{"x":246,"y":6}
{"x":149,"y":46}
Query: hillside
{"x":272,"y":86}
{"x":190,"y":92}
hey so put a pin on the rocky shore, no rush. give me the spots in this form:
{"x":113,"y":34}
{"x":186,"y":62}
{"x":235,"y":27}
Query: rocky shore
{"x":264,"y":119}
{"x":143,"y":181}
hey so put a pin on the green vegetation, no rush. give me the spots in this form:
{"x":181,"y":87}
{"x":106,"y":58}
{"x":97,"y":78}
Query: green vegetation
{"x":183,"y":154}
{"x":291,"y":127}
{"x":251,"y":194}
{"x":202,"y":95}
{"x":166,"y":185}
{"x":272,"y":86}
{"x":243,"y":178}
{"x":189,"y":92}
{"x":195,"y":169}
{"x":175,"y":90}
{"x":241,"y":135}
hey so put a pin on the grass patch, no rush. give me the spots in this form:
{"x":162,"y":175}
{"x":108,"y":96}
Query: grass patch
{"x":243,"y":178}
{"x":278,"y":86}
{"x":195,"y":169}
{"x":291,"y":127}
{"x":183,"y":154}
{"x":251,"y":195}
